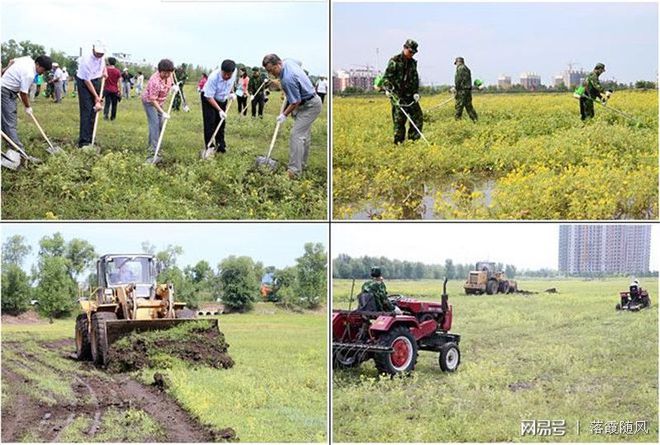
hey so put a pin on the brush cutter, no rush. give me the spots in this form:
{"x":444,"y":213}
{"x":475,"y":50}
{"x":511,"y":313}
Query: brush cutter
{"x":580,"y":93}
{"x":435,"y":107}
{"x":96,"y":117}
{"x":208,"y":150}
{"x":52,"y":149}
{"x":155,"y":157}
{"x":266,"y":160}
{"x":397,"y":102}
{"x":20,"y":150}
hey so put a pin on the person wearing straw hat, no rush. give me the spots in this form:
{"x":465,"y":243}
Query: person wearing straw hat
{"x":15,"y":82}
{"x":91,"y":68}
{"x":303,"y":104}
{"x":217,"y":93}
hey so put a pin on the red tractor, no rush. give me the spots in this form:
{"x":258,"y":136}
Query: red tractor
{"x":635,"y":299}
{"x":393,"y":339}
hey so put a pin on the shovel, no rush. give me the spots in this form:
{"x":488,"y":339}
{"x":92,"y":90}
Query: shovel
{"x":52,"y":149}
{"x":162,"y":131}
{"x":266,"y":160}
{"x":11,"y":159}
{"x":208,"y":151}
{"x":96,"y":118}
{"x":20,"y":150}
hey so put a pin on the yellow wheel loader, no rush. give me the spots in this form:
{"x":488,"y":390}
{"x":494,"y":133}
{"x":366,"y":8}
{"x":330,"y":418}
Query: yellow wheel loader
{"x":127,"y":300}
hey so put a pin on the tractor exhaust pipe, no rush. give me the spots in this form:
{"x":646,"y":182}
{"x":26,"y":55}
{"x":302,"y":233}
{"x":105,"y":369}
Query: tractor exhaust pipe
{"x":445,"y":297}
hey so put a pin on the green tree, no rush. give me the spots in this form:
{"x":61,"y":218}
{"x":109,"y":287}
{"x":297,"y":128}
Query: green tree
{"x":311,"y":268}
{"x":52,"y":246}
{"x":239,"y":283}
{"x":55,"y":290}
{"x":14,"y":250}
{"x":16,"y":291}
{"x":167,"y":258}
{"x":184,"y":289}
{"x":450,"y":271}
{"x":11,"y":49}
{"x":81,"y":256}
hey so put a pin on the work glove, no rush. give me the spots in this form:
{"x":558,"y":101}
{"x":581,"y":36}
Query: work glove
{"x":388,"y":94}
{"x":398,"y":311}
{"x":281,"y":118}
{"x":175,"y":88}
{"x":416,"y":97}
{"x":186,"y":108}
{"x":28,"y":110}
{"x":231,"y":96}
{"x":607,"y":94}
{"x":222,"y":114}
{"x":165,"y":115}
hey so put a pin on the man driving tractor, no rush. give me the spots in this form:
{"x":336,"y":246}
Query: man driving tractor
{"x":378,"y":292}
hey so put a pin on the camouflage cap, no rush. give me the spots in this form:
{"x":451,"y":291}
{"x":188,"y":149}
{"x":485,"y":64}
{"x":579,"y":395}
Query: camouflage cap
{"x":375,"y":272}
{"x":410,"y":43}
{"x":255,"y":68}
{"x":599,"y":66}
{"x":459,"y":59}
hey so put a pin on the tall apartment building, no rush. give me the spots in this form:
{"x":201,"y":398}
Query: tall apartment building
{"x":530,"y":81}
{"x":604,"y":249}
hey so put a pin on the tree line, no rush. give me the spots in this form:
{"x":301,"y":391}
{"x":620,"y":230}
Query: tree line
{"x":63,"y":273}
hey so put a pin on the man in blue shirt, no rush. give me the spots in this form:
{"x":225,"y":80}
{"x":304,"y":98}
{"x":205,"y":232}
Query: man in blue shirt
{"x":216,"y":94}
{"x":302,"y":103}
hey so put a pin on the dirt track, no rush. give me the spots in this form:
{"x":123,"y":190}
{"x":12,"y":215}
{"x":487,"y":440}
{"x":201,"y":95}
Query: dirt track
{"x":95,"y":393}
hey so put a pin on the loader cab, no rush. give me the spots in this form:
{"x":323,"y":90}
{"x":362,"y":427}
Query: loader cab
{"x":121,"y":270}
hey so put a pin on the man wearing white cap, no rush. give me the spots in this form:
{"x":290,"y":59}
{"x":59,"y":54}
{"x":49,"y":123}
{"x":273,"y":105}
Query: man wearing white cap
{"x":91,"y":68}
{"x":58,"y":77}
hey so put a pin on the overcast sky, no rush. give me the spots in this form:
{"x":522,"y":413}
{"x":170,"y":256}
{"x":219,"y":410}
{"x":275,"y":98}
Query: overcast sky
{"x":200,"y":32}
{"x":273,"y":244}
{"x":526,"y":245}
{"x":501,"y":38}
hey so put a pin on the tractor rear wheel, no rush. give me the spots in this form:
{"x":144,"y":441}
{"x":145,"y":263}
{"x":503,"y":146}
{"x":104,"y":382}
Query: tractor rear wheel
{"x":99,"y":339}
{"x":83,"y":347}
{"x":504,"y":287}
{"x":646,"y":301}
{"x":184,"y":313}
{"x":403,"y":358}
{"x":491,"y":287}
{"x":450,"y":357}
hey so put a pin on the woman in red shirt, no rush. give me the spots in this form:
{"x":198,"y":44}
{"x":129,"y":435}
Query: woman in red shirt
{"x":154,"y":95}
{"x":111,"y":90}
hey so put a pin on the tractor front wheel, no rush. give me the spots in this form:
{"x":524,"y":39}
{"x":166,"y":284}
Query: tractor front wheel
{"x":99,"y":339}
{"x":491,"y":287}
{"x":450,"y":357}
{"x":83,"y":346}
{"x":403,"y":357}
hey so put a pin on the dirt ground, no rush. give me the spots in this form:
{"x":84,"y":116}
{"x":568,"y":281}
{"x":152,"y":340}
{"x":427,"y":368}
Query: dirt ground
{"x":96,"y":392}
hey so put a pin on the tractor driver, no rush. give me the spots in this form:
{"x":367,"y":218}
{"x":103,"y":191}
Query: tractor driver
{"x":376,"y":287}
{"x":126,"y":275}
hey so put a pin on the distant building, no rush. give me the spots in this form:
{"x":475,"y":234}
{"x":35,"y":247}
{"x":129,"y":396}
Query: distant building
{"x":604,"y":249}
{"x":504,"y":82}
{"x":361,"y":79}
{"x":558,"y":81}
{"x":573,"y":78}
{"x":530,"y":81}
{"x":126,"y":59}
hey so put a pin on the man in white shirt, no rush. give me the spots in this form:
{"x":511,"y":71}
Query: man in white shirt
{"x":15,"y":82}
{"x":58,"y":76}
{"x":91,"y":68}
{"x":217,"y":93}
{"x":322,"y":88}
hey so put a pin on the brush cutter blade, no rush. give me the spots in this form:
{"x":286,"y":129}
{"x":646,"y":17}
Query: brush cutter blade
{"x":11,"y":159}
{"x":268,"y":162}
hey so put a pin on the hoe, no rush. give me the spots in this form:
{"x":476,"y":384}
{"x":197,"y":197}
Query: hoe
{"x":127,"y":300}
{"x":394,"y":339}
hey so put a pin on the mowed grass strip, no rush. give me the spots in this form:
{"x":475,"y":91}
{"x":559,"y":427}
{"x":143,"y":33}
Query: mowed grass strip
{"x":567,"y":356}
{"x":117,"y":184}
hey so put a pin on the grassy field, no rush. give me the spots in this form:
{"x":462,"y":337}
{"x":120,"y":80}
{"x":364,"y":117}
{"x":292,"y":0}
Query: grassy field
{"x":567,"y":356}
{"x":117,"y":184}
{"x":276,"y":391}
{"x":528,"y":157}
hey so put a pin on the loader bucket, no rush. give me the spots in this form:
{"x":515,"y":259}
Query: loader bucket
{"x":108,"y":331}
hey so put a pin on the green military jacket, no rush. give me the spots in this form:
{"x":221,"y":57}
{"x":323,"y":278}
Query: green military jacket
{"x":379,"y":291}
{"x":254,"y":84}
{"x":463,"y":78}
{"x":401,"y":76}
{"x":592,"y":85}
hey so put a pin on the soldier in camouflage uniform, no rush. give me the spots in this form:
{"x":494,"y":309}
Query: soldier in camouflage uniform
{"x":181,"y":77}
{"x":463,"y":94}
{"x":592,"y":91}
{"x":402,"y":81}
{"x":257,"y":101}
{"x":376,"y":287}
